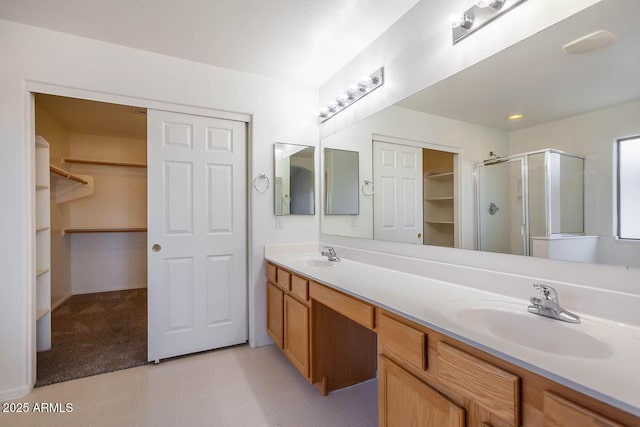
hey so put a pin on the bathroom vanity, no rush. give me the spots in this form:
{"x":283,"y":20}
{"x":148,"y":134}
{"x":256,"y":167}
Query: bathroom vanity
{"x":434,"y":365}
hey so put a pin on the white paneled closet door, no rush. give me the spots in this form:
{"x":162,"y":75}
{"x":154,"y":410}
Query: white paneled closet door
{"x":197,"y":257}
{"x":397,"y":202}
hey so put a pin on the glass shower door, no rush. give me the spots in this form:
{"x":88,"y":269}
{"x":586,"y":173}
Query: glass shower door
{"x":501,"y":208}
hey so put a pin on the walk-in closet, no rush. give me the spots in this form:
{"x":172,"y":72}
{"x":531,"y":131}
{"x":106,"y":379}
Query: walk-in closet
{"x":91,"y":219}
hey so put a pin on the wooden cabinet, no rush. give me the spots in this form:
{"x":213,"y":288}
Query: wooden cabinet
{"x":296,"y":334}
{"x":559,"y":412}
{"x":426,"y":378}
{"x":275,"y":314}
{"x":487,"y":394}
{"x":492,"y":388}
{"x":403,"y":341}
{"x":349,"y":307}
{"x":288,"y":316}
{"x":404,"y":400}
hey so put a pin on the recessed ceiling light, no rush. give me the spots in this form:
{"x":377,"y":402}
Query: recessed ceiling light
{"x":515,"y":116}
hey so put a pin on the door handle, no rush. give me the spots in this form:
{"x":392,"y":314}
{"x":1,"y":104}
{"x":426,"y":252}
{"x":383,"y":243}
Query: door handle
{"x":156,"y":248}
{"x":419,"y":235}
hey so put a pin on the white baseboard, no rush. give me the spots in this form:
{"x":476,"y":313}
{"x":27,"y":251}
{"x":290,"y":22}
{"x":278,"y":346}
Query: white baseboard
{"x":60,"y":301}
{"x":15,"y":393}
{"x":95,"y":291}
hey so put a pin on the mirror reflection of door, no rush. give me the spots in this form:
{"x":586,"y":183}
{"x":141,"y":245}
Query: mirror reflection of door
{"x":341,"y":180}
{"x":294,"y":192}
{"x":414,"y":200}
{"x":397,"y":203}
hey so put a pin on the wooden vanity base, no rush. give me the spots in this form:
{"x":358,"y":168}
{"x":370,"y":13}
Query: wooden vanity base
{"x":344,"y":352}
{"x":425,"y":377}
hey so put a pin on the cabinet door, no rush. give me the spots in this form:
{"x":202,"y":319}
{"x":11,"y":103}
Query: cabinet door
{"x":559,"y":412}
{"x":404,"y":400}
{"x":296,"y":334}
{"x":275,"y":299}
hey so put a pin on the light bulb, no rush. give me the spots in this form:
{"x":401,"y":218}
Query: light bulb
{"x":461,"y":21}
{"x":496,"y":4}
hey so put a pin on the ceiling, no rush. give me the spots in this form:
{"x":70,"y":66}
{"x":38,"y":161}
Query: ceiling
{"x":537,"y":79}
{"x":96,"y":118}
{"x":303,"y":40}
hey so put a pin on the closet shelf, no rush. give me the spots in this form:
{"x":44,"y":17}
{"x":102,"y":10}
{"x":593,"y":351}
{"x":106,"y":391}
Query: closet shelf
{"x":439,"y":175}
{"x":41,"y":312}
{"x":41,"y":271}
{"x":435,"y":199}
{"x":104,"y":230}
{"x":439,"y":222}
{"x":66,"y":174}
{"x":104,"y":162}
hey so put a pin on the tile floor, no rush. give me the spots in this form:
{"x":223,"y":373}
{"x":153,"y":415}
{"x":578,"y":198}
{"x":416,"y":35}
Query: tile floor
{"x":238,"y":386}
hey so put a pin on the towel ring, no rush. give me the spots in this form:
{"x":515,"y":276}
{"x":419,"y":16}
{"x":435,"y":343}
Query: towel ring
{"x":366,"y":185}
{"x":261,"y":183}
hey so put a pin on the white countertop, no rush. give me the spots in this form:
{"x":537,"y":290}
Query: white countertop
{"x":610,"y":372}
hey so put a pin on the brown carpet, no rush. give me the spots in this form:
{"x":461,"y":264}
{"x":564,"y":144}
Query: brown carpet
{"x":95,"y":333}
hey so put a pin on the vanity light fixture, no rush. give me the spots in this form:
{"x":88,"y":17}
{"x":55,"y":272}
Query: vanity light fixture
{"x":356,"y":91}
{"x":496,"y":4}
{"x":479,"y":15}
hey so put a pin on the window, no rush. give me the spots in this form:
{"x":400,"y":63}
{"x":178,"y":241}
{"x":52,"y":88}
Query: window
{"x":629,"y":188}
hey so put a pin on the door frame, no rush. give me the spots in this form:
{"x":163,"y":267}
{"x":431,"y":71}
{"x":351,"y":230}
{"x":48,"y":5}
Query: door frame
{"x":32,"y":87}
{"x":457,"y":169}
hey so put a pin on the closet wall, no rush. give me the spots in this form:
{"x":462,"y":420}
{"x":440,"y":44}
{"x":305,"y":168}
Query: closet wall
{"x":58,"y":138}
{"x":109,"y":261}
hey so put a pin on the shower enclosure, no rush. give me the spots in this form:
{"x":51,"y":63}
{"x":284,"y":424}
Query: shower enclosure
{"x":526,"y":196}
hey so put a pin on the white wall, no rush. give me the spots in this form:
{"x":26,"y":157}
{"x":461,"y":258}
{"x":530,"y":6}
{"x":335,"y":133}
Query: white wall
{"x":417,"y":51}
{"x":58,"y":137}
{"x":593,"y":136}
{"x":475,"y":142}
{"x":279,"y":111}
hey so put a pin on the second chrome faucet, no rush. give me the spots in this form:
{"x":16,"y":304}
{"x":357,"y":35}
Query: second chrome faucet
{"x":548,"y":305}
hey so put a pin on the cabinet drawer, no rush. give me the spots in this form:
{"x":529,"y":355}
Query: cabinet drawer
{"x":492,"y":388}
{"x":283,"y":279}
{"x":355,"y":310}
{"x":271,"y":273}
{"x":300,"y":287}
{"x":559,"y":412}
{"x":403,"y":342}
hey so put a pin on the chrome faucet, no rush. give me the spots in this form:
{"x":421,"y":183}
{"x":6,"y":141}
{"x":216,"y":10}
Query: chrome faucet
{"x":330,"y":253}
{"x":547,"y":305}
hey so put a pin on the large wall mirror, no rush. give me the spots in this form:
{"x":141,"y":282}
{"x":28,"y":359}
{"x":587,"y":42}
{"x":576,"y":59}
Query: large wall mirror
{"x":453,"y":165}
{"x":294,"y":179}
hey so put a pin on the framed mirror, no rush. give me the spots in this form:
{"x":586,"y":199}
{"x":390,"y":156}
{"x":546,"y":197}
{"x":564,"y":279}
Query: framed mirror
{"x":341,"y":178}
{"x":294,"y":182}
{"x":534,"y":132}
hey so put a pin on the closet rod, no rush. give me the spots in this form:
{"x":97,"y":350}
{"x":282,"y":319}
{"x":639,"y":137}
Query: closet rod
{"x":66,"y":174}
{"x":104,"y":230}
{"x":104,"y":162}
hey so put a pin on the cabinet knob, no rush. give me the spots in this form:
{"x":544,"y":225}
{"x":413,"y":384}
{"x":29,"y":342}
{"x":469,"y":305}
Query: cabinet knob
{"x":419,"y":235}
{"x":156,"y":248}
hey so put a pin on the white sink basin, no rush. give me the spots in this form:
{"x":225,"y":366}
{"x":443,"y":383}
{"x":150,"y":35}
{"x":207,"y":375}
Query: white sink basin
{"x":512,"y":323}
{"x":318,"y":263}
